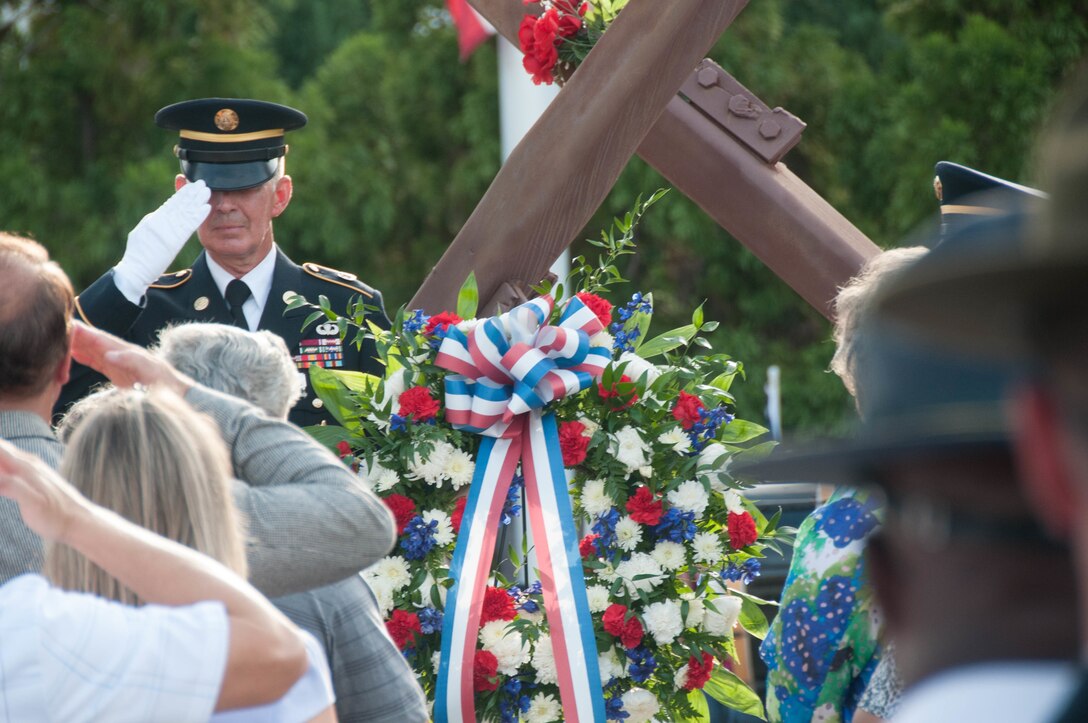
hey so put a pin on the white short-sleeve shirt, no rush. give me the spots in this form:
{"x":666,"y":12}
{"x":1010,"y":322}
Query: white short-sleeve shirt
{"x":76,"y":657}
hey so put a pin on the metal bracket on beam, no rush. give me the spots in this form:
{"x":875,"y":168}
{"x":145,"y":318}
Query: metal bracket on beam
{"x":768,"y":132}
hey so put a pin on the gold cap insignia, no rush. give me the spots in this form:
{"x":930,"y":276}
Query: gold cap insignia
{"x":201,"y":303}
{"x":226,"y":120}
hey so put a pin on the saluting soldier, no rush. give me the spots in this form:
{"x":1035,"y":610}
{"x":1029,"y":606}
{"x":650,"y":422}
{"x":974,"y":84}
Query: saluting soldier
{"x":231,"y":186}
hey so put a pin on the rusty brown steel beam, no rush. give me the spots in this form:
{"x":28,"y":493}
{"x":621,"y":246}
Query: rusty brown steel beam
{"x":801,"y":237}
{"x":559,"y":174}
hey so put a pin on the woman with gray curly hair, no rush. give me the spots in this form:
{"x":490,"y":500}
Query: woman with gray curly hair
{"x":255,"y":366}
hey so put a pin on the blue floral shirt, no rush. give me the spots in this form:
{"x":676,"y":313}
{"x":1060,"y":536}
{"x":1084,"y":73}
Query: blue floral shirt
{"x":822,"y":647}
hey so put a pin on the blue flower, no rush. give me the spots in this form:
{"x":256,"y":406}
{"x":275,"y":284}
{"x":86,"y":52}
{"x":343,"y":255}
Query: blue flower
{"x":613,"y":708}
{"x":642,"y":664}
{"x":418,"y":538}
{"x":605,"y":526}
{"x":512,"y":506}
{"x":674,"y":526}
{"x":706,"y":428}
{"x":430,"y":620}
{"x":747,"y":571}
{"x":415,"y":321}
{"x":398,"y":423}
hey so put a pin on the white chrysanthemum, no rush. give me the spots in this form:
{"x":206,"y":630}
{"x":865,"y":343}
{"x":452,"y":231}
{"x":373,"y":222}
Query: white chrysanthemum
{"x":640,"y":705}
{"x":468,"y":325}
{"x":433,"y":468}
{"x":507,"y":644}
{"x":610,"y":666}
{"x":543,"y":708}
{"x":382,"y":479}
{"x":392,"y":570}
{"x":637,"y":366}
{"x":676,"y":439}
{"x":646,"y":471}
{"x":733,"y":502}
{"x":690,"y":496}
{"x":670,"y":555}
{"x":663,"y":620}
{"x":628,"y":533}
{"x":639,"y":564}
{"x":443,"y":533}
{"x":602,"y":338}
{"x":544,"y":661}
{"x":595,"y":501}
{"x":392,"y":388}
{"x":704,"y":469}
{"x":707,"y":547}
{"x":681,"y":677}
{"x":590,"y":425}
{"x":607,"y":573}
{"x":383,"y":594}
{"x":696,"y":610}
{"x":629,"y":449}
{"x":459,"y":468}
{"x":721,"y":622}
{"x":598,"y":598}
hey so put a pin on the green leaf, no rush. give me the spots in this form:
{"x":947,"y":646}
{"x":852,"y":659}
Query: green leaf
{"x":725,"y":687}
{"x":752,"y":618}
{"x":329,"y":435}
{"x":754,"y":453}
{"x":697,"y":316}
{"x":667,"y":342}
{"x":741,"y":430}
{"x":468,"y":298}
{"x":697,"y":701}
{"x":333,"y":390}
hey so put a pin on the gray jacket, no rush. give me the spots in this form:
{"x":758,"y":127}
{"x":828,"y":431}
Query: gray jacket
{"x":311,"y":521}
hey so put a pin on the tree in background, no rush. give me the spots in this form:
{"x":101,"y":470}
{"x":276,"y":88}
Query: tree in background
{"x":403,"y":140}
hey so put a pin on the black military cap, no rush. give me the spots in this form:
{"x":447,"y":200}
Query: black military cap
{"x":962,"y":192}
{"x":230,"y":143}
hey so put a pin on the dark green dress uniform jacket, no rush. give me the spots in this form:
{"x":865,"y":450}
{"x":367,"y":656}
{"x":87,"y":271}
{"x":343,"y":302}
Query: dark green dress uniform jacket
{"x":191,"y":295}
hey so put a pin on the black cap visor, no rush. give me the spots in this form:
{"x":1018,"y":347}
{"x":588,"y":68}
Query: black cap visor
{"x":231,"y":176}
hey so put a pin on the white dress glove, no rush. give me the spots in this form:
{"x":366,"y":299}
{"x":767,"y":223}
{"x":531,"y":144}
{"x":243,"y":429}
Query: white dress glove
{"x":158,"y":237}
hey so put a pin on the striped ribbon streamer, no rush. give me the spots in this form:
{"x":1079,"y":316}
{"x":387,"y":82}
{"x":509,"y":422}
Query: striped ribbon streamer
{"x":504,"y":373}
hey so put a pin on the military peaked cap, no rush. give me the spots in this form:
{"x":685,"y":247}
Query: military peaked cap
{"x":230,"y":143}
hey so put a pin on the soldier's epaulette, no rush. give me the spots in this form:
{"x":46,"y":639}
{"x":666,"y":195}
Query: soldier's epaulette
{"x":340,"y":278}
{"x":173,"y":279}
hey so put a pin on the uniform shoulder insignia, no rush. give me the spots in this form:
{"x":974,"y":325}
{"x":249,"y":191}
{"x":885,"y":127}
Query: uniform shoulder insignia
{"x":173,"y":279}
{"x":340,"y":278}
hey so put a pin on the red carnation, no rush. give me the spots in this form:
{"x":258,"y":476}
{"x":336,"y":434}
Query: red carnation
{"x":403,"y":627}
{"x":573,"y":443}
{"x":586,"y":548}
{"x":458,"y":513}
{"x":418,"y":404}
{"x":742,"y":530}
{"x":525,"y":34}
{"x":622,"y":399}
{"x":687,"y":410}
{"x":546,"y":28}
{"x":441,"y":322}
{"x":643,"y":508}
{"x":601,"y":307}
{"x":498,"y":605}
{"x":540,"y":63}
{"x":343,"y":448}
{"x":485,"y":671}
{"x":629,"y":631}
{"x":699,"y":672}
{"x":403,"y":510}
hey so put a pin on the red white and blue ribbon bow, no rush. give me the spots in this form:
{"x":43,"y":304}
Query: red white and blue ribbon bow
{"x":505,"y":372}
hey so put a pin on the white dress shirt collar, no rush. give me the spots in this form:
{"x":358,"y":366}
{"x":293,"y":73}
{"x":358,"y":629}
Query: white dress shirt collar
{"x":259,"y":281}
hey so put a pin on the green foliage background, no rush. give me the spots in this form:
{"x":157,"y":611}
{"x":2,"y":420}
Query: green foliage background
{"x":403,"y":139}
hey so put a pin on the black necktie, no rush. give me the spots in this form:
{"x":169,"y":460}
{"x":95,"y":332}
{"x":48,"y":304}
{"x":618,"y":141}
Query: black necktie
{"x":237,"y":293}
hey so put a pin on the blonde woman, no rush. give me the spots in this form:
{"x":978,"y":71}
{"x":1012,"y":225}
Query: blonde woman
{"x":154,"y":460}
